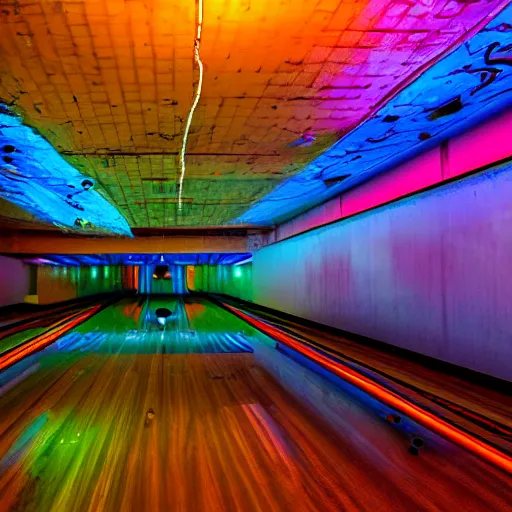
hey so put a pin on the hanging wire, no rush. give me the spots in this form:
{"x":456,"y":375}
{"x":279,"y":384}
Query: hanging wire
{"x":197,"y":57}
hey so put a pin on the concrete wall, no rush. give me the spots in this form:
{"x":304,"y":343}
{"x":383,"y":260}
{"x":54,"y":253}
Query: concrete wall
{"x":226,"y":279}
{"x":14,"y":281}
{"x":431,"y":273}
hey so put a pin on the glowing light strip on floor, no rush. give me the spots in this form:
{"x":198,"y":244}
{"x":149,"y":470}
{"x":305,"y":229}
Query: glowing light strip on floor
{"x":414,"y":412}
{"x":42,"y":341}
{"x":197,"y":43}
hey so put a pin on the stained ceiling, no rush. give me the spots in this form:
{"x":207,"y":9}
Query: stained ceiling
{"x":110,"y":85}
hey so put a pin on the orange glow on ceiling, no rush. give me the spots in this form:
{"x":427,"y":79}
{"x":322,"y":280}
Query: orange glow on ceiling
{"x":110,"y":83}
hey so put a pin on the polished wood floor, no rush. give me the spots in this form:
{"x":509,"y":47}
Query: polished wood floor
{"x":105,"y":420}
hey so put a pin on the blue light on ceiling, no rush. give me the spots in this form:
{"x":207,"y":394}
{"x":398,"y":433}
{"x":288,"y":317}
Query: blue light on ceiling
{"x":34,"y":176}
{"x":140,"y":259}
{"x":472,"y":83}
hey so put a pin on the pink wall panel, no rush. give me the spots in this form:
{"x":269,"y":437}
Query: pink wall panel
{"x":14,"y":281}
{"x":422,"y":172}
{"x":482,"y":146}
{"x":431,"y":273}
{"x":327,"y":212}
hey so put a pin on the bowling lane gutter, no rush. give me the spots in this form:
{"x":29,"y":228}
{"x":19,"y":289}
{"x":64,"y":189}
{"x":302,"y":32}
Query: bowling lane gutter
{"x":43,"y":340}
{"x":398,"y":402}
{"x":50,"y":309}
{"x":13,"y":327}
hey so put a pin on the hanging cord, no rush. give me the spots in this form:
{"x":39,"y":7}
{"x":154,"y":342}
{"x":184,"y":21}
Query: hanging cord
{"x":197,"y":57}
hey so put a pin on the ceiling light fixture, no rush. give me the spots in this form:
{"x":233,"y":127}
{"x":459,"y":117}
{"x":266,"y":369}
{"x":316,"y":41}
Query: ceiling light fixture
{"x":197,"y":57}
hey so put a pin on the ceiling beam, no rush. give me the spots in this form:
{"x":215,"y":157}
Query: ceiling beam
{"x":21,"y":243}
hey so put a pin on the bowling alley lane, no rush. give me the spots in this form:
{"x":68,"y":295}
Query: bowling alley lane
{"x":203,"y":412}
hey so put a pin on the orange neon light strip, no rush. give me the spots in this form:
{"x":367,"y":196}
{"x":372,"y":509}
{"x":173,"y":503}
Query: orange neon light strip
{"x":416,"y":413}
{"x":42,"y":341}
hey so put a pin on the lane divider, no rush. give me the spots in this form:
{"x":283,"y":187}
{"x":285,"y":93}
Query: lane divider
{"x":386,"y":396}
{"x":41,"y":341}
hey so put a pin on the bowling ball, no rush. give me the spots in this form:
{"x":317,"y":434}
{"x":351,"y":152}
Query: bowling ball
{"x":163,"y":313}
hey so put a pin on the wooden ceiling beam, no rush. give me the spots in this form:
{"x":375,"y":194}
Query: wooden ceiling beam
{"x":22,"y":243}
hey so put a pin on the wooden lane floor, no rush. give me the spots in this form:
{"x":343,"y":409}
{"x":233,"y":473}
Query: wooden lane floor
{"x":117,"y":416}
